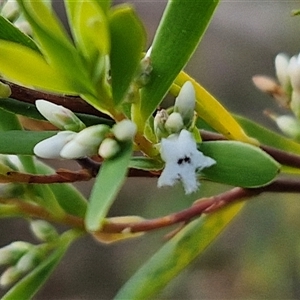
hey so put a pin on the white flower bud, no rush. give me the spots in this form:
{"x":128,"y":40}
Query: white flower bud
{"x":281,"y":67}
{"x":43,"y":230}
{"x":59,"y":116}
{"x":185,"y":103}
{"x":11,"y":253}
{"x":143,"y":75}
{"x":23,"y":25}
{"x":289,"y":125}
{"x":10,"y":276}
{"x":124,"y":130}
{"x":86,"y":142}
{"x":295,"y":103}
{"x":5,"y":90}
{"x":51,"y":147}
{"x":109,"y":148}
{"x":159,"y":124}
{"x":174,"y":123}
{"x":10,"y":10}
{"x":29,"y":260}
{"x":294,"y":73}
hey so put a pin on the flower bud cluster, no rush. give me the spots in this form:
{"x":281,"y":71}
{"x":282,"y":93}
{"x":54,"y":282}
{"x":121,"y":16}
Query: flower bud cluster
{"x":286,"y":91}
{"x":182,"y":115}
{"x":178,"y":147}
{"x":22,"y":257}
{"x":71,"y":144}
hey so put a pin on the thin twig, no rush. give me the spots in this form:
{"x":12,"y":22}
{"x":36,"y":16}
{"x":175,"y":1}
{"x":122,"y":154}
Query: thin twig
{"x":74,"y":103}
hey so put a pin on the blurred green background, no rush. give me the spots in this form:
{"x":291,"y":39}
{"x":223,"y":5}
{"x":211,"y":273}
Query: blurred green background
{"x":258,"y":256}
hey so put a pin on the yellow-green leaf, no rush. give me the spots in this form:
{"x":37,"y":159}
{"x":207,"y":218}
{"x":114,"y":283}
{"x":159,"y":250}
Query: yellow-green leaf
{"x":177,"y":254}
{"x":128,"y":40}
{"x":21,"y":64}
{"x":211,"y":111}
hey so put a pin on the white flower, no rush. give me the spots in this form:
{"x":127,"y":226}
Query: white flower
{"x":183,"y":161}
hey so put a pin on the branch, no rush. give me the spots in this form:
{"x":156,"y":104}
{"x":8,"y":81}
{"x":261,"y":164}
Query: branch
{"x":76,"y":104}
{"x":204,"y":205}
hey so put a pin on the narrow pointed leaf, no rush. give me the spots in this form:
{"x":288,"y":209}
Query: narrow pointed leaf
{"x":239,"y":164}
{"x":181,"y":28}
{"x":27,"y":287}
{"x":9,"y":32}
{"x":8,"y":121}
{"x":212,"y":112}
{"x":68,"y":197}
{"x":177,"y":254}
{"x":26,"y":66}
{"x":107,"y":185}
{"x":145,"y":163}
{"x":56,"y":45}
{"x":88,"y":23}
{"x":104,"y":4}
{"x":26,"y":141}
{"x":268,"y":137}
{"x":128,"y":40}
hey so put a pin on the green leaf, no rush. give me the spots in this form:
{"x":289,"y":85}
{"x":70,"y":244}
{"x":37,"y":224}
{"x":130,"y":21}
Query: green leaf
{"x":108,"y":183}
{"x":26,"y":66}
{"x":145,"y":163}
{"x":9,"y":32}
{"x":8,"y":121}
{"x":68,"y":197}
{"x":181,"y":28}
{"x":104,"y":4}
{"x":128,"y":40}
{"x":20,"y":108}
{"x":88,"y":22}
{"x":268,"y":137}
{"x":26,"y":140}
{"x":27,"y":287}
{"x":239,"y":164}
{"x":176,"y":254}
{"x":56,"y":45}
{"x":29,"y":110}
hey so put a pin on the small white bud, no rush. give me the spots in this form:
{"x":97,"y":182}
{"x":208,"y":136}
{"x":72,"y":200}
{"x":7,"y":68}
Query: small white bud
{"x":29,"y":260}
{"x":185,"y":103}
{"x":86,"y":142}
{"x":289,"y":125}
{"x":51,"y":147}
{"x":124,"y":130}
{"x":11,"y":253}
{"x":295,"y":103}
{"x":10,"y":276}
{"x":281,"y":67}
{"x":109,"y":148}
{"x":5,"y":90}
{"x":159,"y":124}
{"x":143,"y":76}
{"x":294,"y":73}
{"x":23,"y":25}
{"x":10,"y":10}
{"x":174,"y":123}
{"x":59,"y":116}
{"x":43,"y":230}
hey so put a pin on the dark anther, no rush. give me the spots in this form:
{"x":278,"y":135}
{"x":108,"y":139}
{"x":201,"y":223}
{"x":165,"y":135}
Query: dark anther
{"x":186,"y":159}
